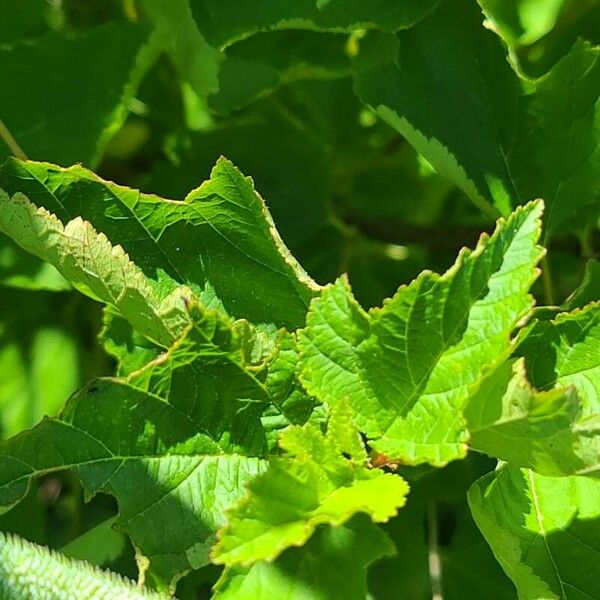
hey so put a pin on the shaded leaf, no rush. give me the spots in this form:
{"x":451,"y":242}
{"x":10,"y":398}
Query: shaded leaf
{"x":113,"y":434}
{"x":589,"y":290}
{"x":539,"y":33}
{"x":226,"y":21}
{"x":330,"y":565}
{"x":195,"y":60}
{"x":542,"y":530}
{"x":565,"y":351}
{"x":447,"y":87}
{"x":254,"y":67}
{"x":73,"y":118}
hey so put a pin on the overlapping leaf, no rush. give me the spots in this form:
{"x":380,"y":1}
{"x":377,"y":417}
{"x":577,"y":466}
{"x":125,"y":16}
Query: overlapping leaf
{"x":542,"y":431}
{"x":220,"y":240}
{"x":548,"y":524}
{"x":168,"y":440}
{"x":447,"y":87}
{"x":180,"y":437}
{"x":565,"y":351}
{"x":195,"y":60}
{"x":314,"y":485}
{"x":409,"y":368}
{"x":91,"y":264}
{"x":331,"y":564}
{"x":282,"y":382}
{"x":254,"y":67}
{"x":589,"y":290}
{"x":223,"y":22}
{"x":180,"y":426}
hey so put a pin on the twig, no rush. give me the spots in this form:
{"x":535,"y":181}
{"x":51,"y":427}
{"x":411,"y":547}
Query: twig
{"x":10,"y":141}
{"x":547,"y":281}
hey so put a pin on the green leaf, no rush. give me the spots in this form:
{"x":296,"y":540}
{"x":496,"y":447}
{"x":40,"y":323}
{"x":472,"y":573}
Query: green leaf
{"x":409,"y":368}
{"x":313,"y":485}
{"x":22,"y":270}
{"x":172,"y":485}
{"x":225,"y":21}
{"x":254,"y":67}
{"x":99,"y":545}
{"x":330,"y":565}
{"x":35,"y":572}
{"x":183,"y":428}
{"x":540,"y":32}
{"x":543,"y":531}
{"x":41,"y":359}
{"x":522,"y":21}
{"x":336,"y":325}
{"x":537,"y":430}
{"x":203,"y":375}
{"x":287,"y":394}
{"x":129,"y":348}
{"x":220,"y":240}
{"x":195,"y":60}
{"x":436,"y":528}
{"x":63,"y":110}
{"x":589,"y":290}
{"x":446,"y":86}
{"x":565,"y":351}
{"x":89,"y":262}
{"x":297,"y":198}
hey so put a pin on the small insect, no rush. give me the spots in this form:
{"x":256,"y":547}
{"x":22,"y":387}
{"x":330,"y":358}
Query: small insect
{"x":381,"y":461}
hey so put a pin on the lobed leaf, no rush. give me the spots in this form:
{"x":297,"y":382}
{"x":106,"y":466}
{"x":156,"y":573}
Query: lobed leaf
{"x":204,"y":376}
{"x":220,"y":240}
{"x":111,"y":435}
{"x":184,"y":428}
{"x":564,"y":351}
{"x":409,"y":368}
{"x":314,"y":485}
